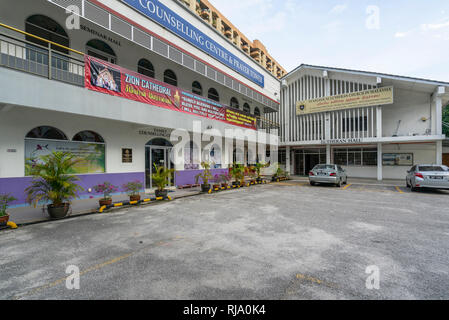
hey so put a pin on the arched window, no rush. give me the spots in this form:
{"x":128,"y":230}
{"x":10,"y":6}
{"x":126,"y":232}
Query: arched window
{"x":196,"y":88}
{"x":257,"y":112}
{"x":146,"y":68}
{"x":213,"y":95}
{"x":46,"y":132}
{"x":246,"y":108}
{"x":101,"y":50}
{"x":159,"y":142}
{"x":48,"y":29}
{"x":212,"y":155}
{"x":88,"y":136}
{"x":234,"y":103}
{"x":170,"y":78}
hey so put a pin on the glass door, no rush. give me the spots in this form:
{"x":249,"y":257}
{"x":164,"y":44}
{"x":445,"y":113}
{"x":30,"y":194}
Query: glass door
{"x":159,"y":156}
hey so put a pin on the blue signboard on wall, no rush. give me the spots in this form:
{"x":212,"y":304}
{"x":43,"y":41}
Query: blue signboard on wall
{"x":164,"y":16}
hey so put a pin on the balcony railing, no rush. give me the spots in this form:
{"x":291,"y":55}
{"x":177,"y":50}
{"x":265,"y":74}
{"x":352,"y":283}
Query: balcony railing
{"x":50,"y":63}
{"x":47,"y":62}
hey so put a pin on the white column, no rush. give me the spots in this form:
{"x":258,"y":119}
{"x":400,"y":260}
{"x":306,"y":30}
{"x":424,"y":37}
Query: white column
{"x":437,"y":106}
{"x":292,"y":169}
{"x":379,"y":162}
{"x":328,"y":153}
{"x":287,"y":159}
{"x":379,"y":122}
{"x":439,"y":152}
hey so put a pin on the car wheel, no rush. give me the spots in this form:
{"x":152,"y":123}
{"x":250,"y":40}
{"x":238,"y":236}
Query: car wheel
{"x":312,"y":183}
{"x":408,"y":184}
{"x":339,"y":184}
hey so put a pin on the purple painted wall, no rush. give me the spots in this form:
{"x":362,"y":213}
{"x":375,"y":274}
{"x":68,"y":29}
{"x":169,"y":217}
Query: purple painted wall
{"x":16,"y":186}
{"x":188,"y":176}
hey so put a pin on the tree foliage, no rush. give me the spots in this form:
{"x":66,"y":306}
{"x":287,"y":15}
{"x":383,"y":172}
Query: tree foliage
{"x":446,"y":120}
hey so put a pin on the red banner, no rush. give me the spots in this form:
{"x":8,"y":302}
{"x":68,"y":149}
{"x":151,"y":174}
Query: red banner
{"x":111,"y":79}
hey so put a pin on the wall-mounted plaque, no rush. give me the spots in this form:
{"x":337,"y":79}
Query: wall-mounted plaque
{"x":127,"y":155}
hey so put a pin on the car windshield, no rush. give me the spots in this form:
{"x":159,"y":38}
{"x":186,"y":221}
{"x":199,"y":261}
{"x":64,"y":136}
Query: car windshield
{"x":431,"y":168}
{"x":324,"y":167}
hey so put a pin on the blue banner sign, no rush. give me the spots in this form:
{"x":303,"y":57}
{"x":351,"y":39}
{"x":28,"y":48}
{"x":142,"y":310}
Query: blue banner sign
{"x":164,"y":16}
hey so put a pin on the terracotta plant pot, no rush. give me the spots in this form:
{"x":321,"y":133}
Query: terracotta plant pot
{"x":105,"y":202}
{"x":4,"y":220}
{"x":161,"y":193}
{"x":205,"y":187}
{"x":217,"y":186}
{"x":58,"y":212}
{"x":134,"y":198}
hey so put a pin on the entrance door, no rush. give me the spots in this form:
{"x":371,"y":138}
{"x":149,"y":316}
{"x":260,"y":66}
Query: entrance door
{"x":159,"y":156}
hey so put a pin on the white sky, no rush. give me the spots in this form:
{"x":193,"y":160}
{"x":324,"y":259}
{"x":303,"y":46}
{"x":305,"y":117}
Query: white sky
{"x":411,"y":37}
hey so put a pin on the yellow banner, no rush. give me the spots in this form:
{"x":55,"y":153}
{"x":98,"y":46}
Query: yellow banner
{"x":367,"y":98}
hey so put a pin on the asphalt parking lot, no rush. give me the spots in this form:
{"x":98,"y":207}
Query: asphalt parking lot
{"x":280,"y":241}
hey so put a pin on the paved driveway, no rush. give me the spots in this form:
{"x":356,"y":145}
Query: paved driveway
{"x":278,"y":241}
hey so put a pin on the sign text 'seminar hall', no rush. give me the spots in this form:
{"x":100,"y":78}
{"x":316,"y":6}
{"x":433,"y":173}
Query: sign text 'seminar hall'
{"x":360,"y":99}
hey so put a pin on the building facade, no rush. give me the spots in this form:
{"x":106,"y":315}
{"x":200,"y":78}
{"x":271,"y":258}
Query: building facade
{"x":113,"y":88}
{"x":373,"y":125}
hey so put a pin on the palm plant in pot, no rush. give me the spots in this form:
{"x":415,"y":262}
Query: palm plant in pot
{"x":5,"y":199}
{"x":237,"y":173}
{"x":252,"y":174}
{"x":205,"y":176}
{"x":106,"y":188}
{"x":53,"y":183}
{"x":258,"y":168}
{"x":161,"y":178}
{"x":133,"y":189}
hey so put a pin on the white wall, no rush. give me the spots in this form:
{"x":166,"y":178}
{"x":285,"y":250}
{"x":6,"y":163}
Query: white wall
{"x":410,"y":107}
{"x":422,"y":153}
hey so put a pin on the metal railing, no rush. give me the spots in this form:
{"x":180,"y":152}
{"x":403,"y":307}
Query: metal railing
{"x":43,"y":61}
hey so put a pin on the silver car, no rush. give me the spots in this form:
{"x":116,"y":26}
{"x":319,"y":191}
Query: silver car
{"x":329,"y":174}
{"x":428,"y":176}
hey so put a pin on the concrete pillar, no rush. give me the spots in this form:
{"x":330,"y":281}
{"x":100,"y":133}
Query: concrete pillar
{"x":292,"y":169}
{"x":379,"y":122}
{"x":287,"y":159}
{"x":328,"y":154}
{"x":439,"y":153}
{"x":379,"y":162}
{"x":438,"y":116}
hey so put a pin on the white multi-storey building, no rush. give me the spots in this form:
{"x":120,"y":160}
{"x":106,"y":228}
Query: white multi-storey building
{"x":114,"y":87}
{"x":346,"y":125}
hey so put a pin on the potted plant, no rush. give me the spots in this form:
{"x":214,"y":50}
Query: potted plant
{"x":205,"y":176}
{"x":258,"y":168}
{"x":53,"y":183}
{"x":106,"y":188}
{"x":237,"y":173}
{"x":161,"y":178}
{"x":225,"y":180}
{"x":133,"y":189}
{"x":217,"y":182}
{"x":5,"y":199}
{"x":252,"y":174}
{"x":278,"y":174}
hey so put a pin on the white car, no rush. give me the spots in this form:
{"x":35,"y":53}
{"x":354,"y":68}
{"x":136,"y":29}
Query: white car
{"x":428,"y":176}
{"x":328,"y":174}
